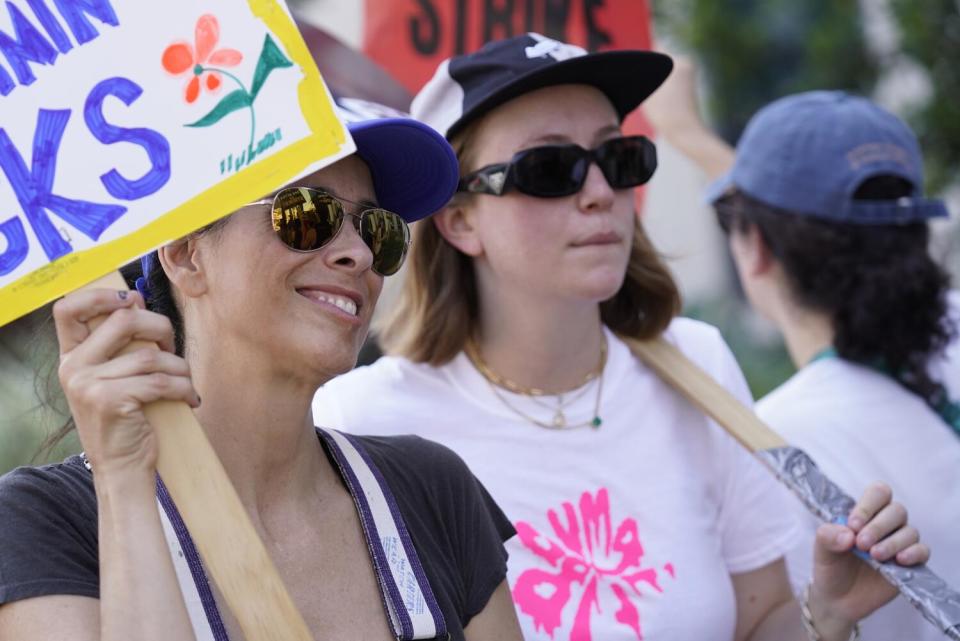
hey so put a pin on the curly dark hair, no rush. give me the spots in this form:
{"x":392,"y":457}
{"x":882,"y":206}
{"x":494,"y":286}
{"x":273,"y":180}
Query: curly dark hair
{"x":884,"y":294}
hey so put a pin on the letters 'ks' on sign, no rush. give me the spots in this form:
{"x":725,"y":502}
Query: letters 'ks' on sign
{"x":136,"y":160}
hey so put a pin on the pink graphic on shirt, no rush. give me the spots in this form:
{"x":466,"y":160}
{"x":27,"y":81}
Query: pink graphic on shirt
{"x":584,"y":550}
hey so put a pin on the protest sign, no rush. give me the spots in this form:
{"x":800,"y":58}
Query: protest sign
{"x":124,"y":125}
{"x":410,"y":38}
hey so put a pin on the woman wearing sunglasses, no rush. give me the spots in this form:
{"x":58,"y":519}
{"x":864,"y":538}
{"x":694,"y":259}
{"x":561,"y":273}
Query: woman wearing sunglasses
{"x":376,"y":538}
{"x":636,"y":516}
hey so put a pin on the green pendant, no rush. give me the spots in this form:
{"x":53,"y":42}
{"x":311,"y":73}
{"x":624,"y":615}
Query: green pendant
{"x":596,"y":422}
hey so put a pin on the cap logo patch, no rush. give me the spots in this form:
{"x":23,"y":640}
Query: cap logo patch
{"x":557,"y":50}
{"x":878,"y":152}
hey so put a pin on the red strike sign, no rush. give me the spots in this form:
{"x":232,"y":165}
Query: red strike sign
{"x":410,"y":38}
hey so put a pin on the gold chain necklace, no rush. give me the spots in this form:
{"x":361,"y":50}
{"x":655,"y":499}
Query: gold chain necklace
{"x":559,"y":421}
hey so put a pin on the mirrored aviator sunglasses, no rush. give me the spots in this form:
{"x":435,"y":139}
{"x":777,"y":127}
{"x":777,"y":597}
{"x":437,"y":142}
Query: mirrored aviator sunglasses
{"x":307,"y":219}
{"x":554,"y":171}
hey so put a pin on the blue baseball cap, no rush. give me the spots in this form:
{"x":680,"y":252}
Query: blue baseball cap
{"x":414,"y":170}
{"x":809,"y":152}
{"x":466,"y":87}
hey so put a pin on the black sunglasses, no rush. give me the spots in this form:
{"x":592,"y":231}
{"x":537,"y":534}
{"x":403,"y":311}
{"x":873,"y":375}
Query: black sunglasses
{"x":307,"y":219}
{"x":553,"y":171}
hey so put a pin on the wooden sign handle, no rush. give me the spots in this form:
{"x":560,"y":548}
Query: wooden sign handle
{"x":705,"y":394}
{"x":924,"y":589}
{"x":232,"y":552}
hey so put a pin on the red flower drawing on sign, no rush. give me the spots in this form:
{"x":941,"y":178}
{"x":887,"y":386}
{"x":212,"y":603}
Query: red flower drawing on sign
{"x":585,"y":551}
{"x":181,"y":57}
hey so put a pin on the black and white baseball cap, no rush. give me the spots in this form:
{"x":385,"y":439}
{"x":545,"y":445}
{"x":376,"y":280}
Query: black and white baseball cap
{"x":468,"y":86}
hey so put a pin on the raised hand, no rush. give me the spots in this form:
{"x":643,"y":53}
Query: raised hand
{"x":107,"y":383}
{"x":845,"y":589}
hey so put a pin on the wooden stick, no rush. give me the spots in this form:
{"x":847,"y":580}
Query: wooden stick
{"x":219,"y":525}
{"x":937,"y":601}
{"x":706,"y":394}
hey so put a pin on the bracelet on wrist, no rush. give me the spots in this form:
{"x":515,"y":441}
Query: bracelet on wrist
{"x":806,"y":617}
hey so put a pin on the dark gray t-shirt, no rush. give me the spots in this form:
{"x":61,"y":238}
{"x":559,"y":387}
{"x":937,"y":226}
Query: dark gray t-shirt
{"x":48,"y":527}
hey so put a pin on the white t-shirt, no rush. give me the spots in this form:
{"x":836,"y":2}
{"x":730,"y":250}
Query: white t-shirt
{"x":860,"y":426}
{"x":629,"y":530}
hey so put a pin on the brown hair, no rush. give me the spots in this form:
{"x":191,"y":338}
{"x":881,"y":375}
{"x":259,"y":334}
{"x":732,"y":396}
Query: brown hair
{"x":438,"y":310}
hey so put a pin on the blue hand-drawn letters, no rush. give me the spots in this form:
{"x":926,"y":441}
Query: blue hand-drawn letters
{"x":156,"y":146}
{"x":33,"y":185}
{"x":29,"y":45}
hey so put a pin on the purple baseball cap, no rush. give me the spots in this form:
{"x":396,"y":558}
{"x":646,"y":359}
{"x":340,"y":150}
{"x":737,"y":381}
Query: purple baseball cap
{"x":414,"y":170}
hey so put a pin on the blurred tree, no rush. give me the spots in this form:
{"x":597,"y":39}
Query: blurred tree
{"x":31,"y":402}
{"x":756,"y":344}
{"x":754,"y":51}
{"x":930,"y":34}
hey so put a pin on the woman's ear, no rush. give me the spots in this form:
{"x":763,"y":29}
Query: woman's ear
{"x":457,"y":225}
{"x":751,"y":252}
{"x":762,"y":258}
{"x":182,"y":260}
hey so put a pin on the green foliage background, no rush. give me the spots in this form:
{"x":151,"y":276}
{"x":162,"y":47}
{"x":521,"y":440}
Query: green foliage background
{"x":754,"y":51}
{"x":931,"y":35}
{"x":31,"y":403}
{"x":751,"y":52}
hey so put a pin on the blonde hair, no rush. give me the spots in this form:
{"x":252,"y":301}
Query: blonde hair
{"x":439,"y":306}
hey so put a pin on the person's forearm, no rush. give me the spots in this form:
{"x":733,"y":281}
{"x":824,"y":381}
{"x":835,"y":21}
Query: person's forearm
{"x":140,"y":599}
{"x":783,"y":624}
{"x":707,"y":150}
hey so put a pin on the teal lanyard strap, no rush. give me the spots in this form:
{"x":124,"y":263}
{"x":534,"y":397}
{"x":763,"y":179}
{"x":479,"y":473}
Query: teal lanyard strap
{"x":824,"y":354}
{"x":949,"y":411}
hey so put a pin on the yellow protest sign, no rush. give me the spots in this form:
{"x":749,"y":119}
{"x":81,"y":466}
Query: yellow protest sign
{"x":124,"y":125}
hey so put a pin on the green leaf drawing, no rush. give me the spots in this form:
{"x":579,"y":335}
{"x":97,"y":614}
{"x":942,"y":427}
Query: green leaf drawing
{"x":270,"y":58}
{"x":237,"y":99}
